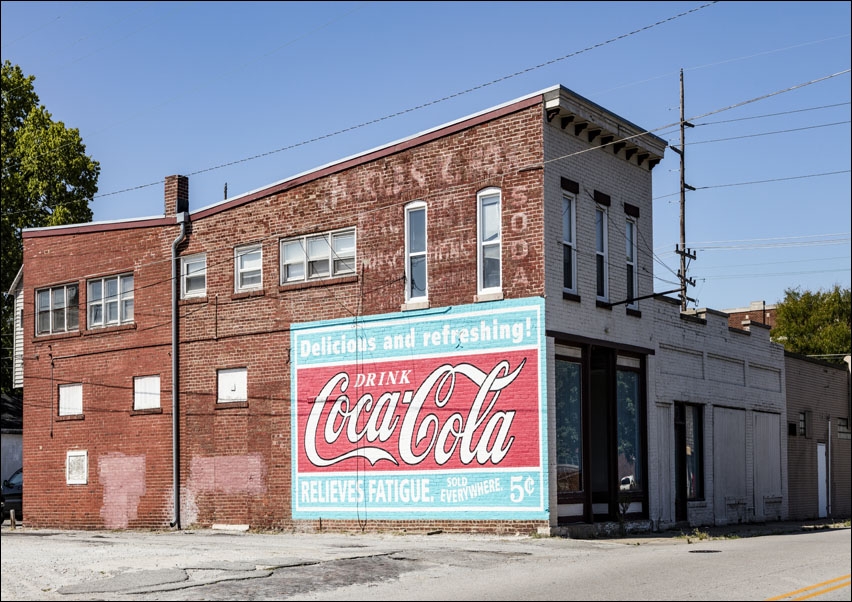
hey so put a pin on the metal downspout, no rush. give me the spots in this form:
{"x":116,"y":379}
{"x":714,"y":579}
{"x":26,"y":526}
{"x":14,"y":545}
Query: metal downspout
{"x":182,"y":219}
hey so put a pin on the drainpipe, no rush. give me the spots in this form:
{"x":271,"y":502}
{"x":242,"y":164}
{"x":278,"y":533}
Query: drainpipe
{"x":182,"y":219}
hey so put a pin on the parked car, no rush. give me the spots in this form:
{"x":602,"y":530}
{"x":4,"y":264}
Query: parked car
{"x":628,"y":483}
{"x":12,"y":495}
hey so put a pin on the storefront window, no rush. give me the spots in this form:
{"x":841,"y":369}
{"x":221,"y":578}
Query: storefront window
{"x":629,"y":440}
{"x":569,"y":428}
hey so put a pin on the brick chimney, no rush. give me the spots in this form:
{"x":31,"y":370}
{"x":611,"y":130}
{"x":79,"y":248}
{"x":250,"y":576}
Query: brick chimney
{"x":177,"y":195}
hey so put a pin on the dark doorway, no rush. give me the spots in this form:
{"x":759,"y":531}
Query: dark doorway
{"x":602,"y":366}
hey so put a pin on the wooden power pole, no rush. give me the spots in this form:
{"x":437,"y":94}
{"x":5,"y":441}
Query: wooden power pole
{"x":681,"y":249}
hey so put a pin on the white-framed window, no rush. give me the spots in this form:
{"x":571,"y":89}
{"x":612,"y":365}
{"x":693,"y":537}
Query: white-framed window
{"x":569,"y":252}
{"x":77,"y":467}
{"x":146,"y":392}
{"x":602,"y":279}
{"x":57,"y":309}
{"x":326,"y":255}
{"x":248,"y":268}
{"x":110,"y":301}
{"x":71,"y":399}
{"x":631,"y":252}
{"x":489,"y":241}
{"x":416,"y":272}
{"x":193,"y":276}
{"x":232,"y":385}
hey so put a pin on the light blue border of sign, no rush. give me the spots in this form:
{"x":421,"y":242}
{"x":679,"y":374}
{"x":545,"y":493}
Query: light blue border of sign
{"x":347,"y":341}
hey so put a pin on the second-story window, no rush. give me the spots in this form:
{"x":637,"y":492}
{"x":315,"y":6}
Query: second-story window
{"x":56,"y":309}
{"x":569,"y":255}
{"x":326,"y":255}
{"x":110,"y":301}
{"x":248,"y":268}
{"x":416,"y":274}
{"x":193,"y":276}
{"x":489,"y":241}
{"x":601,"y":254}
{"x":630,"y":249}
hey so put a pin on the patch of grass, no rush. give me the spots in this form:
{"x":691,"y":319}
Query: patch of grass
{"x":696,"y":535}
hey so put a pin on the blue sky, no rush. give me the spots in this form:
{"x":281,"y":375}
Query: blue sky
{"x":250,"y":93}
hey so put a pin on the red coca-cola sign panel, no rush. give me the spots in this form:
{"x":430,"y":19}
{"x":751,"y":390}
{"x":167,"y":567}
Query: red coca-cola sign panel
{"x":458,"y":412}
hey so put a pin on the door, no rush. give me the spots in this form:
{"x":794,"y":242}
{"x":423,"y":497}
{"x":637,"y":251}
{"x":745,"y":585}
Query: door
{"x":602,"y":460}
{"x":822,"y":493}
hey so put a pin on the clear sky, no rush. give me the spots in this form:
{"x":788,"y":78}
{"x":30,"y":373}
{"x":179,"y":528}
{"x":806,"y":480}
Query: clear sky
{"x":251,"y":93}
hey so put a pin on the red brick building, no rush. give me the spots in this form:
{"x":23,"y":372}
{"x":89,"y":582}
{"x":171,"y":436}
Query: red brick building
{"x":453,"y":331}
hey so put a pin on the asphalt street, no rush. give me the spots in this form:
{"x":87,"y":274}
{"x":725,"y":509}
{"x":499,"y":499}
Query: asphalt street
{"x":207,"y":564}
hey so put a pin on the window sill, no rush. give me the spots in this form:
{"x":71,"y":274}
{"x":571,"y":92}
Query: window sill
{"x":193,"y":300}
{"x":483,"y":297}
{"x":248,"y":294}
{"x":603,"y":304}
{"x":70,"y":418}
{"x":40,"y":338}
{"x":108,"y":329}
{"x":146,"y":411}
{"x":570,"y":296}
{"x":295,"y":286}
{"x":634,"y":312}
{"x":412,"y":305}
{"x":231,"y":405}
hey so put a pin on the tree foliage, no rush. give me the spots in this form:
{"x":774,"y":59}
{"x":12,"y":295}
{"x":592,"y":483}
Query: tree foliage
{"x":47,"y":180}
{"x":815,"y":323}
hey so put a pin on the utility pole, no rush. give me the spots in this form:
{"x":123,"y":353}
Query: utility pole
{"x":681,"y":249}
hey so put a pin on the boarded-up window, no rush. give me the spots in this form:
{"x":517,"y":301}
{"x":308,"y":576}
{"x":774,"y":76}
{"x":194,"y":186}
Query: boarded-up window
{"x":233,"y":385}
{"x":71,"y":399}
{"x":146,"y":392}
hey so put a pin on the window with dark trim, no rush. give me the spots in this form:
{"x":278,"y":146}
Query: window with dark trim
{"x":569,"y":251}
{"x":57,"y":309}
{"x":602,"y":279}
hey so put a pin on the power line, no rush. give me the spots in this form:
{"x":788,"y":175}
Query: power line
{"x":744,"y":136}
{"x":816,"y":175}
{"x":426,"y":104}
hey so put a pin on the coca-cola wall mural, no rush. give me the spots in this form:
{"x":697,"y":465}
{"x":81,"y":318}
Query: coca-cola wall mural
{"x":432,"y":414}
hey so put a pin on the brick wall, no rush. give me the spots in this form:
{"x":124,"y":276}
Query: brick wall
{"x":235,"y":458}
{"x":129,"y":453}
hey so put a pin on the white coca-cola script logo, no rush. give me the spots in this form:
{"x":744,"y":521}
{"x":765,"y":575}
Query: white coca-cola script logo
{"x":481,"y":435}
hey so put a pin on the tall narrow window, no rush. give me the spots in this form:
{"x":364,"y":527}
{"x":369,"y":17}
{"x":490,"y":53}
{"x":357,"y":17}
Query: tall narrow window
{"x":57,"y":309}
{"x":601,"y":253}
{"x":415,"y":252}
{"x":490,"y":217}
{"x":569,"y":427}
{"x":248,"y":268}
{"x":193,"y":276}
{"x":110,"y":301}
{"x":569,"y":256}
{"x":630,"y":249}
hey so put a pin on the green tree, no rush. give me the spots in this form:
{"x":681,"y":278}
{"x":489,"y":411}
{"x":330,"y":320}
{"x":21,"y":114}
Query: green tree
{"x":815,"y":323}
{"x":47,"y":180}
